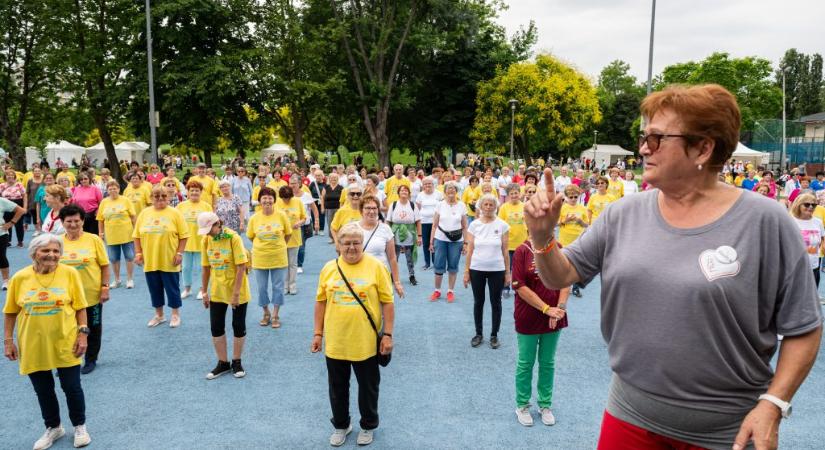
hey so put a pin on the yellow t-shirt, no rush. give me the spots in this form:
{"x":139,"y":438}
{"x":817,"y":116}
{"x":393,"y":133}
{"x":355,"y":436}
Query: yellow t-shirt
{"x":190,"y":211}
{"x":276,"y":185}
{"x":514,"y":216}
{"x":210,"y":188}
{"x":598,"y":203}
{"x":347,"y":331}
{"x":391,"y":187}
{"x":615,"y":188}
{"x":296,"y":212}
{"x":68,"y":174}
{"x":738,"y":180}
{"x":140,"y":197}
{"x":571,"y":231}
{"x":117,"y":219}
{"x":26,"y":177}
{"x":89,"y":258}
{"x":46,"y":325}
{"x":470,"y":197}
{"x":159,"y":233}
{"x":267,"y":236}
{"x":223,"y":256}
{"x":819,"y":212}
{"x":343,"y":216}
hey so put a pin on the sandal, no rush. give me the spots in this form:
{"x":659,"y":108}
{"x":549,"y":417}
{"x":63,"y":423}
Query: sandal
{"x":157,"y":320}
{"x":265,"y":321}
{"x":276,"y":322}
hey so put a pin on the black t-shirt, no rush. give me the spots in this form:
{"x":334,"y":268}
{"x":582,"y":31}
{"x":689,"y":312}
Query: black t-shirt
{"x":333,"y":197}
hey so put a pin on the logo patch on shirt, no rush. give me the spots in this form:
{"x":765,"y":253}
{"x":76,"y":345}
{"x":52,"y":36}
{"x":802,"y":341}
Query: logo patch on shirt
{"x":719,"y":263}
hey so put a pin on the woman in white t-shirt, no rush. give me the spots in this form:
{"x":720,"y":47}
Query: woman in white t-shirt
{"x":415,"y":183}
{"x":378,"y":239}
{"x":811,"y":228}
{"x":487,"y":264}
{"x":405,"y":222}
{"x":447,"y":239}
{"x":630,"y":186}
{"x":425,"y":203}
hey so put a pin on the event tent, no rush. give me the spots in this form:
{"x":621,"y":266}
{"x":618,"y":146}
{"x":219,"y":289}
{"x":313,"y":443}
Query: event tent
{"x":276,"y":150}
{"x":744,"y":153}
{"x":64,"y":150}
{"x":125,"y":151}
{"x":604,"y":152}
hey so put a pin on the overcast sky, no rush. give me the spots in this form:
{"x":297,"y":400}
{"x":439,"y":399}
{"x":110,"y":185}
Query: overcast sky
{"x":591,"y":33}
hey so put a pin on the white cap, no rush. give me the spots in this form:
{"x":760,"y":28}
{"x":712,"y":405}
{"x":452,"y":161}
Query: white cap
{"x":205,"y":222}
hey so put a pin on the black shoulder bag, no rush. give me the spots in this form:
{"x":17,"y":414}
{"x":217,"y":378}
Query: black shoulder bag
{"x":383,"y":360}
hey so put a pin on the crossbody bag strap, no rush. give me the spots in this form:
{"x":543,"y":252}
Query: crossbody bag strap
{"x":352,"y":291}
{"x":365,"y":245}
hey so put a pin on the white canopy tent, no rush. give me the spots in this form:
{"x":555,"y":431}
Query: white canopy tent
{"x":744,"y":153}
{"x":132,"y":151}
{"x":64,"y":150}
{"x":276,"y":150}
{"x":603,"y":152}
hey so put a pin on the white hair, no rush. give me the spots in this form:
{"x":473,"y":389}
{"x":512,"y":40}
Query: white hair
{"x":44,"y":240}
{"x":487,"y":198}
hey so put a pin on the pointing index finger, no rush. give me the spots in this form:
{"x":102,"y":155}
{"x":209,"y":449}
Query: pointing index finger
{"x":548,"y":183}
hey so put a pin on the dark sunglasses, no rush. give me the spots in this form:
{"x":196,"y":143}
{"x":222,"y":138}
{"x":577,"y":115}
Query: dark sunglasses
{"x":571,"y":197}
{"x":809,"y":205}
{"x":654,"y":139}
{"x":354,"y":194}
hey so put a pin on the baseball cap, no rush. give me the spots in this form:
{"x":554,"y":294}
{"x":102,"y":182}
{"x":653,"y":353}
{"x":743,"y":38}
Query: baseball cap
{"x":205,"y":222}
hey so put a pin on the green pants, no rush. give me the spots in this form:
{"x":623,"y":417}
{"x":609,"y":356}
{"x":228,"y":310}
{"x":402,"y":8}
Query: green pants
{"x":529,"y":345}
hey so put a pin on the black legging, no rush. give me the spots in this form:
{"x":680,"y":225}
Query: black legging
{"x":217,"y":319}
{"x":18,"y":227}
{"x":426,"y":232}
{"x":816,"y":276}
{"x":90,"y":222}
{"x":495,"y":283}
{"x":95,"y":318}
{"x":4,"y":243}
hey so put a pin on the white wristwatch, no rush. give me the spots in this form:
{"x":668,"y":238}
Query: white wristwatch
{"x":783,"y":406}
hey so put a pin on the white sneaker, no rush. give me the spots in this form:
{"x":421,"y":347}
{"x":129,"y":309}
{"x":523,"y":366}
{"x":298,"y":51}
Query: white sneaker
{"x":300,"y":270}
{"x":81,"y":436}
{"x":339,"y":436}
{"x":200,"y":295}
{"x":364,"y":437}
{"x":547,"y":417}
{"x":524,"y":416}
{"x":48,"y":438}
{"x":186,"y":293}
{"x":130,"y":284}
{"x":115,"y":285}
{"x":5,"y":285}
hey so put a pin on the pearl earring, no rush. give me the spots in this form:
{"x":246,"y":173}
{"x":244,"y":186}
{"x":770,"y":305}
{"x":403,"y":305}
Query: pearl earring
{"x":699,"y":167}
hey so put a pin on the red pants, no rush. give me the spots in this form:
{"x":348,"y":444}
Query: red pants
{"x":619,"y":435}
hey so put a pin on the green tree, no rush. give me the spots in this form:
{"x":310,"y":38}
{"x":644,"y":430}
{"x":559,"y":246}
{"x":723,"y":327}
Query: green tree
{"x":620,"y":95}
{"x":803,"y":82}
{"x":556,"y":105}
{"x":202,"y":52}
{"x":27,"y":30}
{"x":749,"y":79}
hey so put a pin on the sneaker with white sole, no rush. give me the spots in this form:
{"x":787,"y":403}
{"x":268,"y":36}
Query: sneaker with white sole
{"x":200,"y":295}
{"x":524,"y":417}
{"x":49,"y":437}
{"x":223,"y":367}
{"x":115,"y":285}
{"x":5,"y":285}
{"x":339,"y":436}
{"x":130,"y":284}
{"x":300,"y":270}
{"x":186,"y":293}
{"x":364,"y":437}
{"x":547,"y":417}
{"x":81,"y":436}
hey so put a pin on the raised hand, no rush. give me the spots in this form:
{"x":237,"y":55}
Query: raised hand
{"x":541,"y":213}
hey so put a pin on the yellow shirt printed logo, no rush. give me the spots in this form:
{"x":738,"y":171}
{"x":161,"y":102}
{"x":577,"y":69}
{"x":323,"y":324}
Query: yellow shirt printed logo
{"x":37,"y":303}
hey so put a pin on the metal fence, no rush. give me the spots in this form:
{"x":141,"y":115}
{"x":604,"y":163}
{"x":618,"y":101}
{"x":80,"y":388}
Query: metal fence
{"x":798,"y":150}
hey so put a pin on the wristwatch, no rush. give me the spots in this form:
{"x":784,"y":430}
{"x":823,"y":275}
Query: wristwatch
{"x":783,"y":406}
{"x":84,"y":330}
{"x":562,"y":306}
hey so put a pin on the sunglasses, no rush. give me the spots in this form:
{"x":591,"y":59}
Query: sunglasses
{"x":354,"y":194}
{"x":572,"y":197}
{"x":809,"y":205}
{"x":654,"y":139}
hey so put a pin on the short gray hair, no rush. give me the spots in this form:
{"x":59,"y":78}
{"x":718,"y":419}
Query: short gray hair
{"x":350,"y":229}
{"x":42,"y":241}
{"x":452,"y":184}
{"x":486,"y":198}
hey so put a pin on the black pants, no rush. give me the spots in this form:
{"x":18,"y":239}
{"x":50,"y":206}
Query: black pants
{"x":43,"y":383}
{"x":90,"y":222}
{"x":4,"y":244}
{"x":408,"y":253}
{"x":816,"y":276}
{"x":95,"y":317}
{"x":495,"y":283}
{"x":368,"y":376}
{"x":426,"y":234}
{"x":217,"y":319}
{"x":18,"y":227}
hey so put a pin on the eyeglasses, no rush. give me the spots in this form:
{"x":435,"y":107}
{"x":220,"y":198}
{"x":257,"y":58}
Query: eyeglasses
{"x":654,"y":139}
{"x":370,"y":208}
{"x":809,"y":205}
{"x":354,"y":194}
{"x":572,"y":197}
{"x":160,"y":196}
{"x":351,"y":244}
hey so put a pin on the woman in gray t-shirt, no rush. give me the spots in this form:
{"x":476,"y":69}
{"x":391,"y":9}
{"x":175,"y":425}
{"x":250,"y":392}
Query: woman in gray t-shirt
{"x":698,"y":278}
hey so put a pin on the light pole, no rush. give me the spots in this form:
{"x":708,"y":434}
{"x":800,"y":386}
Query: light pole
{"x":595,"y":143}
{"x":513,"y":103}
{"x":784,"y":130}
{"x":152,"y":118}
{"x":650,"y":51}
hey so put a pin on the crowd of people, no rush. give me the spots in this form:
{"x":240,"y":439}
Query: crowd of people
{"x":524,"y":231}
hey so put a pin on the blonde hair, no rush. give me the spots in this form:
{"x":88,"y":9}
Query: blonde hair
{"x":797,"y":203}
{"x":351,"y":229}
{"x":58,"y":191}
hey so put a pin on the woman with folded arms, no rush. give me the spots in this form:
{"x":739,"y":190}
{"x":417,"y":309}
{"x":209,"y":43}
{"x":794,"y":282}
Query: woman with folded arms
{"x":88,"y":197}
{"x":47,"y":305}
{"x":447,"y":240}
{"x":269,"y":230}
{"x":116,"y":221}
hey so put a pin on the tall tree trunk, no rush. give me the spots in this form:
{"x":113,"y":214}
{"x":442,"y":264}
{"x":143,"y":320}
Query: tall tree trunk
{"x":299,"y":122}
{"x":207,"y":157}
{"x":109,"y":145}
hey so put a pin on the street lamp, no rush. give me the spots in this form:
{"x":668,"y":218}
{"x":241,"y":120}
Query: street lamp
{"x":650,"y":51}
{"x":513,"y":103}
{"x":152,"y":117}
{"x":595,"y":143}
{"x":784,"y":130}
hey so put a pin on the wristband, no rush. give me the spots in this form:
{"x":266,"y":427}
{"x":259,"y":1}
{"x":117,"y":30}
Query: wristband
{"x":10,"y":340}
{"x":317,"y":335}
{"x":544,"y":310}
{"x":543,"y":250}
{"x":388,"y":334}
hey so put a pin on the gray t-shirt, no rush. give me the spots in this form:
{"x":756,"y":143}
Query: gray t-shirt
{"x":690,"y":316}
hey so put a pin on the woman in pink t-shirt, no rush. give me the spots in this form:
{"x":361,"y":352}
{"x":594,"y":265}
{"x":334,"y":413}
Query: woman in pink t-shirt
{"x":87,"y":196}
{"x":13,"y":190}
{"x":154,"y":176}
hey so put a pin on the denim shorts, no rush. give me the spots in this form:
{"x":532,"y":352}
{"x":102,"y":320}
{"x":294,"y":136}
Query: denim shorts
{"x":127,"y":249}
{"x":447,"y":254}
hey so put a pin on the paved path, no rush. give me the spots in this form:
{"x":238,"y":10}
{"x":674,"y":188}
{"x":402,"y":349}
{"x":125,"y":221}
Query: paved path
{"x":149,"y":390}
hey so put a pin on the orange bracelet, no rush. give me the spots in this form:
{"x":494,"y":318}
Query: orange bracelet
{"x":546,"y":249}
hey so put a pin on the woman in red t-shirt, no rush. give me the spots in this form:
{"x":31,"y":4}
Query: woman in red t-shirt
{"x":540,"y":314}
